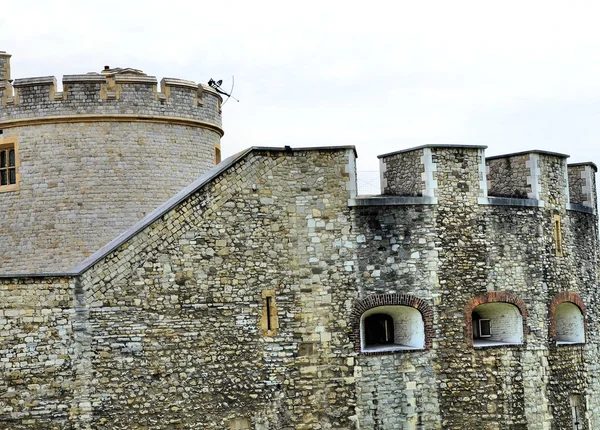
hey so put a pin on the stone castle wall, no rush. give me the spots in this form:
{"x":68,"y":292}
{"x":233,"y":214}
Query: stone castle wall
{"x":238,"y":303}
{"x":95,"y":158}
{"x":180,"y":326}
{"x":168,"y":329}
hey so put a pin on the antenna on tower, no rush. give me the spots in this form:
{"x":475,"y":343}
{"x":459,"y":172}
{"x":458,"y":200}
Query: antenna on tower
{"x":216,"y":85}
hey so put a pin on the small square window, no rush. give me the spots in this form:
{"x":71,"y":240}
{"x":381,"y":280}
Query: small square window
{"x":9,"y":165}
{"x":485,"y":328}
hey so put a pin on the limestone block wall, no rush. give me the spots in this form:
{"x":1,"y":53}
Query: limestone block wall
{"x":115,"y":93}
{"x":94,"y":158}
{"x":4,"y":66}
{"x":177,"y":311}
{"x":84,"y":183}
{"x":39,"y":353}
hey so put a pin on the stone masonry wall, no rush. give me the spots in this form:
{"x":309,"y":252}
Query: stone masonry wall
{"x":579,"y":189}
{"x":95,"y":157}
{"x":575,"y":368}
{"x":576,"y":184}
{"x":403,"y":174}
{"x":176,"y":311}
{"x":397,"y":253}
{"x":507,"y":176}
{"x":38,"y":355}
{"x":84,"y":183}
{"x":169,"y":330}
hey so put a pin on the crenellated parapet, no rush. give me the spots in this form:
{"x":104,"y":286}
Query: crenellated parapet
{"x":529,"y":178}
{"x":114,"y":92}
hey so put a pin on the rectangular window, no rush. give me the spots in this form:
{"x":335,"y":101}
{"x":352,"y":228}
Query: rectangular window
{"x":9,"y":165}
{"x":485,"y":328}
{"x":558,"y":236}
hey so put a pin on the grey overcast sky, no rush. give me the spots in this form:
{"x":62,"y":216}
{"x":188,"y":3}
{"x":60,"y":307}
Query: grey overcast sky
{"x":381,"y":75}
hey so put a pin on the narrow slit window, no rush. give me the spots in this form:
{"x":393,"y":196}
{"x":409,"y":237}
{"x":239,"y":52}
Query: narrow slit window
{"x":269,"y":299}
{"x":558,"y":236}
{"x":269,"y":320}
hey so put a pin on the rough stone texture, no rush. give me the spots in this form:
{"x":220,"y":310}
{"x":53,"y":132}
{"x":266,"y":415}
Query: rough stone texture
{"x":178,"y":325}
{"x":39,"y":353}
{"x":579,"y":189}
{"x":82,"y":183}
{"x":173,"y":316}
{"x":397,"y":253}
{"x":166,"y":329}
{"x":507,"y":176}
{"x":403,"y":174}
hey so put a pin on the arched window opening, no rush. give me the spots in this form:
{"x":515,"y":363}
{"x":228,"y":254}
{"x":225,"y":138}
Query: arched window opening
{"x":390,"y":328}
{"x":569,"y":324}
{"x":496,"y":323}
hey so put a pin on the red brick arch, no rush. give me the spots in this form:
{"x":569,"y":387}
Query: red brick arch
{"x":392,"y":299}
{"x":562,"y":297}
{"x":493,"y":297}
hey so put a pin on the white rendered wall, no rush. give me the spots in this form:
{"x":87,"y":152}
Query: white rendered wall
{"x":506,"y":321}
{"x":568,"y":321}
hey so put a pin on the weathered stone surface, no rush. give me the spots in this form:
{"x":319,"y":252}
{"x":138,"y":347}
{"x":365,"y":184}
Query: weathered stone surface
{"x":238,"y":303}
{"x":90,"y":167}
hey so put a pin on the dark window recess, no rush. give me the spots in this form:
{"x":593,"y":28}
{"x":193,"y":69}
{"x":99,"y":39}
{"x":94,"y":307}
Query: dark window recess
{"x":269,"y":301}
{"x":379,"y":329}
{"x":485,"y":328}
{"x":482,"y":328}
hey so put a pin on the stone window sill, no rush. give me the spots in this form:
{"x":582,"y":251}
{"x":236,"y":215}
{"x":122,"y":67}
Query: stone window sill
{"x":9,"y":188}
{"x":389,"y":349}
{"x":480,"y":343}
{"x":568,"y":343}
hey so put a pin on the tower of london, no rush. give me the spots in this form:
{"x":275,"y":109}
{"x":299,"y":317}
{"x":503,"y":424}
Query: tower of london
{"x":146,"y":283}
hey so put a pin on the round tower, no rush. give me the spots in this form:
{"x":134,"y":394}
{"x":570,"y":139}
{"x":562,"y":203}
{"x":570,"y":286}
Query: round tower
{"x":79,"y":166}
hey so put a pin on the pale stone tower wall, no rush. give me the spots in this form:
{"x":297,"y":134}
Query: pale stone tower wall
{"x":95,"y":157}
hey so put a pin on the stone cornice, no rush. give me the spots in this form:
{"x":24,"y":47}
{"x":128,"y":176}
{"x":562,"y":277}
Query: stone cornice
{"x":62,"y":119}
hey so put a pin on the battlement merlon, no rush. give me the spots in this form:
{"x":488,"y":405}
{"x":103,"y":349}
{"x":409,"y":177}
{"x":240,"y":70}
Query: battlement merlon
{"x":582,"y":184}
{"x":4,"y":66}
{"x":538,"y":178}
